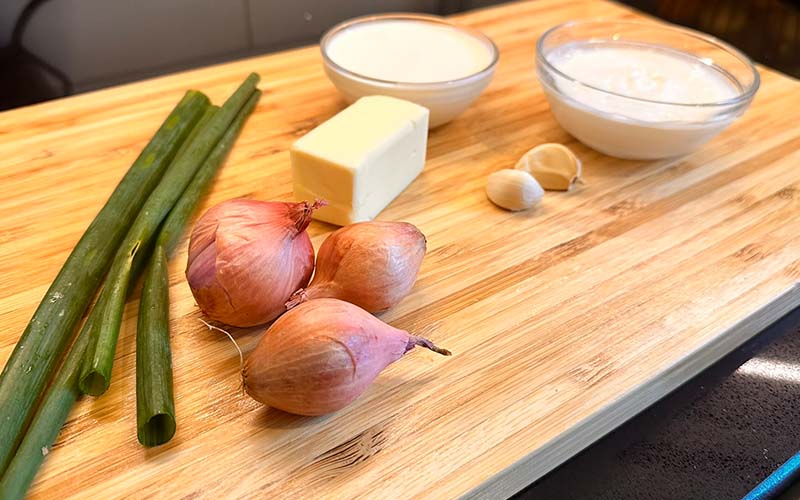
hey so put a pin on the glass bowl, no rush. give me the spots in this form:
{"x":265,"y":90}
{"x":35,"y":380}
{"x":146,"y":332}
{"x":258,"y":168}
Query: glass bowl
{"x":630,"y":127}
{"x":444,"y":99}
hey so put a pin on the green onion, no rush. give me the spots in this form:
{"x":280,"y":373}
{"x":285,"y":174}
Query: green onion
{"x":143,"y":255}
{"x":155,"y":406}
{"x":36,"y":355}
{"x":65,"y":391}
{"x":96,"y":370}
{"x":46,"y":424}
{"x":61,"y":396}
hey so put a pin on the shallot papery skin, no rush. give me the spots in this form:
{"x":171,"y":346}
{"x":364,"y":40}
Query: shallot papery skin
{"x":246,"y":257}
{"x":320,"y":356}
{"x":370,"y":264}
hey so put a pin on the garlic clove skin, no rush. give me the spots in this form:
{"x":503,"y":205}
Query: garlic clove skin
{"x":513,"y":189}
{"x":554,"y":165}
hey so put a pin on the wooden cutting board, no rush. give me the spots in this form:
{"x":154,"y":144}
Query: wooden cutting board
{"x":564,"y":321}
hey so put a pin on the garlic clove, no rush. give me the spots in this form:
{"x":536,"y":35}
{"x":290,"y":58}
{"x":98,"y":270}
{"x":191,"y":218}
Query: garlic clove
{"x":513,"y":189}
{"x":554,"y":165}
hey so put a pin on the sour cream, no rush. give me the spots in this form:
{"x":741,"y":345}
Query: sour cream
{"x":643,"y":72}
{"x":409,"y":51}
{"x":636,"y":100}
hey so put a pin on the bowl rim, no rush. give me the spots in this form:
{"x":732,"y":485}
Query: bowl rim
{"x":408,"y":16}
{"x":745,"y":94}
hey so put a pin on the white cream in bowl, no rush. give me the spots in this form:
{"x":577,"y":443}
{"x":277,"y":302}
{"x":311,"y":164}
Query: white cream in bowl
{"x":629,"y":97}
{"x":409,"y":51}
{"x":423,"y":59}
{"x":643,"y":72}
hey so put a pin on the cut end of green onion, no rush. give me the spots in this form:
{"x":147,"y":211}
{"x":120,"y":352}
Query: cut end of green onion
{"x":93,"y":384}
{"x":157,"y":430}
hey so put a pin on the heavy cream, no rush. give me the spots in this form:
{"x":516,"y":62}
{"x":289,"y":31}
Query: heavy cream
{"x":636,"y":100}
{"x":407,"y":50}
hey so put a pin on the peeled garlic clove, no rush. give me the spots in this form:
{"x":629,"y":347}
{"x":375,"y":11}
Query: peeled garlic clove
{"x":555,"y":166}
{"x":513,"y":189}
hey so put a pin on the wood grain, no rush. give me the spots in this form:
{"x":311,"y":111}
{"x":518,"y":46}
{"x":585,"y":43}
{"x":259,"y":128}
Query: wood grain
{"x":564,"y":321}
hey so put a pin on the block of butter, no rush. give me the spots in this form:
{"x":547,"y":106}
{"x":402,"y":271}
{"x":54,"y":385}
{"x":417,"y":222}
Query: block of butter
{"x":361,"y":159}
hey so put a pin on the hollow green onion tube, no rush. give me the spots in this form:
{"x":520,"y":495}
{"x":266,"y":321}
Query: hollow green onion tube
{"x":99,"y":358}
{"x":155,"y":405}
{"x":42,"y":345}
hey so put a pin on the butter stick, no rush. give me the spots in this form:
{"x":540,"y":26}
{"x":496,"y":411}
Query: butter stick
{"x":361,"y":159}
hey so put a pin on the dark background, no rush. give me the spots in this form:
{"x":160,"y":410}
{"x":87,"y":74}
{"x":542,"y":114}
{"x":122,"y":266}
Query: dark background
{"x":52,"y":48}
{"x":714,"y":438}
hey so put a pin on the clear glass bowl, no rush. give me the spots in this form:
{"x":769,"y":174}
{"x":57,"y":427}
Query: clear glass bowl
{"x":445,"y":99}
{"x":612,"y":132}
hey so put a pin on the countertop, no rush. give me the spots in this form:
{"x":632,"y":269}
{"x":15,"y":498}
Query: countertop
{"x":717,"y":436}
{"x":564,"y":322}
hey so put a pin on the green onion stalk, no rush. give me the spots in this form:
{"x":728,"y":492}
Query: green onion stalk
{"x":38,"y":352}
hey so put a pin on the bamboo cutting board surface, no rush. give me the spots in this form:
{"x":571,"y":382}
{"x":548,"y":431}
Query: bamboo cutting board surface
{"x":564,"y":321}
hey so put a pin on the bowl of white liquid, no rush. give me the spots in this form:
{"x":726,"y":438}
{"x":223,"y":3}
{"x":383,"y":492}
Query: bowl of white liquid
{"x":640,"y":90}
{"x":424,"y":59}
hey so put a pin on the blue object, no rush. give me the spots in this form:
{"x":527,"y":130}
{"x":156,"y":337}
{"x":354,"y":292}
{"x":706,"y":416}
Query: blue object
{"x":778,"y":481}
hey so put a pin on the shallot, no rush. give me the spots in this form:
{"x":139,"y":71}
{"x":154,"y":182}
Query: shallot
{"x":320,"y":356}
{"x":370,"y":264}
{"x":246,"y":257}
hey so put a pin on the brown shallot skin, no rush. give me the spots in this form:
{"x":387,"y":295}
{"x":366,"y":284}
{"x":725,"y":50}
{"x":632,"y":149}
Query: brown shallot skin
{"x":370,"y":264}
{"x":320,"y":356}
{"x":246,"y":257}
